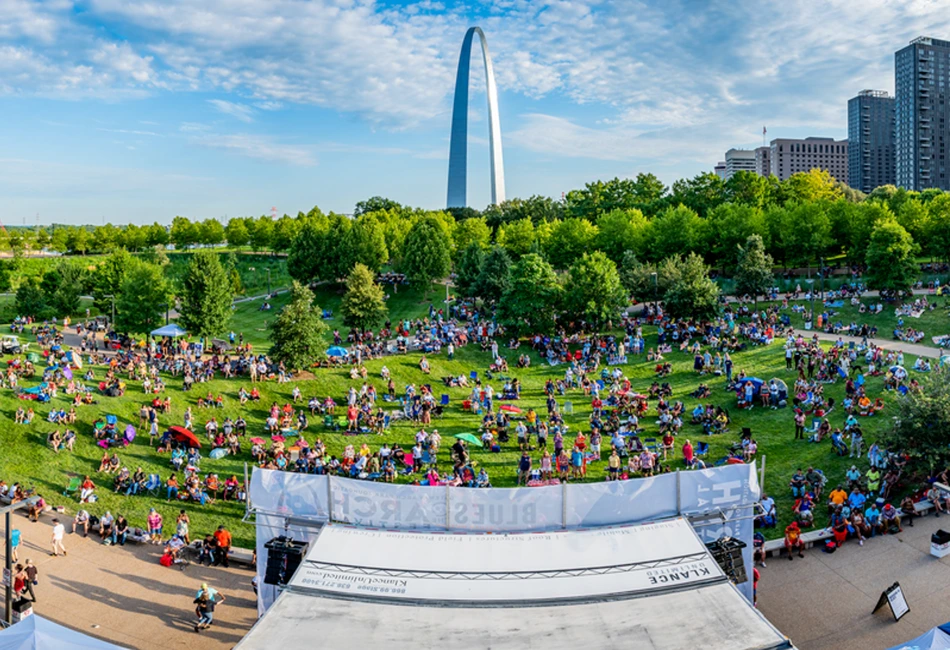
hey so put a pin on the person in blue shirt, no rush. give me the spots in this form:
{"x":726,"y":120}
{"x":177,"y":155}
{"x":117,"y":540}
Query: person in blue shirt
{"x":854,"y":476}
{"x":14,"y":543}
{"x":856,"y":499}
{"x":837,"y":441}
{"x":872,"y":517}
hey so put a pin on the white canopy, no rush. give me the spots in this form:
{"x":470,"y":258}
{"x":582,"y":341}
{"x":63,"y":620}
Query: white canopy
{"x":651,"y":587}
{"x":172,"y":329}
{"x":37,"y":633}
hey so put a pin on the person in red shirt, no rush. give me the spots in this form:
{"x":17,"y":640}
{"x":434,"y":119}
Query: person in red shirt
{"x":223,"y":537}
{"x":793,"y":540}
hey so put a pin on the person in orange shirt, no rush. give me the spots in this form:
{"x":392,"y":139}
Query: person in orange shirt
{"x":793,"y":540}
{"x":223,"y":537}
{"x":837,"y":498}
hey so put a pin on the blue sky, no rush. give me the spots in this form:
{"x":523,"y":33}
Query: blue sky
{"x":135,"y":111}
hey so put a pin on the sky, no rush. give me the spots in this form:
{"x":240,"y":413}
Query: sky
{"x":133,"y":111}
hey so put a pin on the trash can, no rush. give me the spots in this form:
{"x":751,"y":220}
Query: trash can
{"x":940,"y":543}
{"x":21,"y":609}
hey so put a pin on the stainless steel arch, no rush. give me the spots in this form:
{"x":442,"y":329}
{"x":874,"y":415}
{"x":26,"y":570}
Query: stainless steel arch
{"x":458,"y":146}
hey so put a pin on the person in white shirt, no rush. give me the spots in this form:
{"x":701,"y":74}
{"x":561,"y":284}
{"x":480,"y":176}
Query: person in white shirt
{"x":59,"y":531}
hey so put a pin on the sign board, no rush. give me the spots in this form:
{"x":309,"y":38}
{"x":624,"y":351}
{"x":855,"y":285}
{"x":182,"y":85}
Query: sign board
{"x":893,"y":596}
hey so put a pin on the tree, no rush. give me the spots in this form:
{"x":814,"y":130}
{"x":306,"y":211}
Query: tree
{"x":529,"y":304}
{"x":143,"y":300}
{"x":376,"y":204}
{"x":236,"y":232}
{"x":157,"y":235}
{"x":748,"y":188}
{"x":62,"y":288}
{"x":495,"y":275}
{"x":426,"y":252}
{"x":754,"y":271}
{"x":516,"y":237}
{"x":365,"y":244}
{"x":890,"y":258}
{"x":471,"y":231}
{"x":814,"y":185}
{"x":261,"y":232}
{"x":364,"y":303}
{"x":184,"y":233}
{"x":690,"y":292}
{"x":700,"y":194}
{"x":285,"y":229}
{"x":108,"y":278}
{"x":59,"y":240}
{"x":211,"y":232}
{"x":620,"y":231}
{"x":105,"y":238}
{"x":922,"y":423}
{"x":468,"y":270}
{"x":205,"y":295}
{"x":77,"y":241}
{"x":7,"y":270}
{"x":729,"y":226}
{"x":675,"y":231}
{"x":594,"y":292}
{"x":640,"y":280}
{"x":297,"y":333}
{"x":305,"y":260}
{"x":569,"y":240}
{"x":133,"y":237}
{"x":29,"y":298}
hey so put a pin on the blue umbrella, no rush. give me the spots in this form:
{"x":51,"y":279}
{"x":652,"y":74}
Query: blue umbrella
{"x":337,"y":351}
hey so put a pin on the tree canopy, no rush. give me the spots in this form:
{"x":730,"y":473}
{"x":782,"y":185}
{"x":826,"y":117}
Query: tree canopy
{"x":364,"y":303}
{"x":297,"y":333}
{"x":206,"y":296}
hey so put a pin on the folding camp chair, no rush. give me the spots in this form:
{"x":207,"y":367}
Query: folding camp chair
{"x":702,"y":449}
{"x":73,"y":486}
{"x":154,"y":484}
{"x":568,"y":408}
{"x":445,"y":400}
{"x":651,"y":445}
{"x":473,"y":375}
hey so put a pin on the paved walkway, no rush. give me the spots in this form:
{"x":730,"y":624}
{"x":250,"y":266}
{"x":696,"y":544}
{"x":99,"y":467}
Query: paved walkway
{"x":123,"y":595}
{"x":915,"y":349}
{"x":826,"y":600}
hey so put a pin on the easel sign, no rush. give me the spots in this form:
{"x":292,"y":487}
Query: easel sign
{"x":894,"y":598}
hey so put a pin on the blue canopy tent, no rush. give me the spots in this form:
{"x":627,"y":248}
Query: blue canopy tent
{"x":337,"y":351}
{"x":934,"y":639}
{"x":756,"y":386}
{"x":172,"y":330}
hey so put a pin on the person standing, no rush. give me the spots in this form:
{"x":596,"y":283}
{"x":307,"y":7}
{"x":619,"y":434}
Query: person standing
{"x":56,"y":539}
{"x":206,"y":601}
{"x":224,"y":546}
{"x":31,"y":573}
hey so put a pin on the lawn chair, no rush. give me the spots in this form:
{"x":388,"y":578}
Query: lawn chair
{"x":73,"y":486}
{"x":154,"y":485}
{"x":444,"y":401}
{"x":568,"y":408}
{"x":473,"y":375}
{"x":651,"y":445}
{"x":387,"y":420}
{"x":428,"y":459}
{"x":702,"y":449}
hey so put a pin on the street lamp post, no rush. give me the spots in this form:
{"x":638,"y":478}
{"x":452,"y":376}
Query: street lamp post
{"x":811,"y":290}
{"x":112,"y":298}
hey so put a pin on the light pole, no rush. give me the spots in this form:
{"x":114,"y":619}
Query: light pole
{"x":811,"y":290}
{"x":112,"y":297}
{"x":167,"y":307}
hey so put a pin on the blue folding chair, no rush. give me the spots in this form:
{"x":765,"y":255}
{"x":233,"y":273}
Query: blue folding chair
{"x":154,"y":484}
{"x":445,"y":400}
{"x":651,"y":445}
{"x":568,"y":408}
{"x":702,"y":449}
{"x":473,"y":375}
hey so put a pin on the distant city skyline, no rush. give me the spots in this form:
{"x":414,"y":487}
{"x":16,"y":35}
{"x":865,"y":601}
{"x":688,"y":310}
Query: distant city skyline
{"x":137,"y":111}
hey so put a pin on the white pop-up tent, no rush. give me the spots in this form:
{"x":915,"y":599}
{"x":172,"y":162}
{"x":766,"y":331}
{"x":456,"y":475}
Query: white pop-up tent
{"x":172,"y":330}
{"x":37,"y":633}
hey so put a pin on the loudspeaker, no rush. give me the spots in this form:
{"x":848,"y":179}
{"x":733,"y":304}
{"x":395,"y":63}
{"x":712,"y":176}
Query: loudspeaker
{"x":284,"y":555}
{"x":727,"y":551}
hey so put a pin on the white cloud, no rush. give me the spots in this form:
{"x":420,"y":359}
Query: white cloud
{"x":259,"y":147}
{"x":240,"y":112}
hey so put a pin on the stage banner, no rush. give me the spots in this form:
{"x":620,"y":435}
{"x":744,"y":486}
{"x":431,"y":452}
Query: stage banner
{"x":620,"y":502}
{"x":498,"y":510}
{"x":384,"y":505}
{"x":294,"y":495}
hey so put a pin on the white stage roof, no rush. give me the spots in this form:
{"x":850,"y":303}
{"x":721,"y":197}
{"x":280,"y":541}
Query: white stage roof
{"x":650,"y":587}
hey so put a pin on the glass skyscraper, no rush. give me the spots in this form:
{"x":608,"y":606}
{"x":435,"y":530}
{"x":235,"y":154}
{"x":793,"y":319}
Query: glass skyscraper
{"x":871,"y":140}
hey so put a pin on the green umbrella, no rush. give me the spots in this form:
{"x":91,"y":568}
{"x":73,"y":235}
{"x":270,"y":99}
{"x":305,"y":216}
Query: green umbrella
{"x":469,"y":438}
{"x":33,"y":357}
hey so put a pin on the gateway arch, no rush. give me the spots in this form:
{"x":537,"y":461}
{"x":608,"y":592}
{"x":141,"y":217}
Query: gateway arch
{"x":458,"y":147}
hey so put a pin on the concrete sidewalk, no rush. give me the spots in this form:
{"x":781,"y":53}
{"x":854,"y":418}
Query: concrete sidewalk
{"x":123,"y":595}
{"x":914,"y":349}
{"x":826,"y":600}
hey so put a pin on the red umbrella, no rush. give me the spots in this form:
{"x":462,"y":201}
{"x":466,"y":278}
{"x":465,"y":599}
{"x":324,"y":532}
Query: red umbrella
{"x":510,"y":408}
{"x":181,"y":434}
{"x":277,"y":438}
{"x":257,"y":441}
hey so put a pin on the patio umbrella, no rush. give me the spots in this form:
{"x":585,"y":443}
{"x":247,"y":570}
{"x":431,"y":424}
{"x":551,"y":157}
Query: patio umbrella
{"x":337,"y":351}
{"x":218,"y":453}
{"x":469,"y":438}
{"x":257,"y":441}
{"x":511,"y":408}
{"x":181,"y":434}
{"x":277,"y":438}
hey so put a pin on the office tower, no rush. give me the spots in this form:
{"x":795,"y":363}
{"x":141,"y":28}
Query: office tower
{"x":921,"y":73}
{"x":871,"y":140}
{"x":739,"y":160}
{"x":762,"y":165}
{"x":720,"y":169}
{"x":790,"y":156}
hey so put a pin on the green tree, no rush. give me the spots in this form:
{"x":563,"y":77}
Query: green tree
{"x":808,"y":228}
{"x":305,"y":262}
{"x":364,"y":303}
{"x":184,"y":233}
{"x":426,"y":252}
{"x":700,"y":194}
{"x":729,"y":227}
{"x":297,"y":333}
{"x":516,"y":237}
{"x":77,"y":241}
{"x":937,"y":229}
{"x":143,"y":300}
{"x":748,"y":188}
{"x":569,"y":240}
{"x":105,"y":238}
{"x":157,"y":235}
{"x":813,"y":185}
{"x":261,"y":232}
{"x":913,"y":216}
{"x":471,"y":231}
{"x":30,"y":300}
{"x":920,"y":427}
{"x":594,"y":293}
{"x":7,"y":270}
{"x":690,"y":292}
{"x":285,"y":229}
{"x":205,"y":295}
{"x":675,"y":231}
{"x":59,"y":240}
{"x":376,"y":204}
{"x":133,"y":237}
{"x":365,"y":243}
{"x":211,"y":232}
{"x":108,"y":278}
{"x":236,"y":232}
{"x":640,"y":280}
{"x":890,"y":258}
{"x":62,"y":286}
{"x":754,"y":270}
{"x":530,"y":303}
{"x":495,"y":276}
{"x":468,"y":270}
{"x":619,"y":231}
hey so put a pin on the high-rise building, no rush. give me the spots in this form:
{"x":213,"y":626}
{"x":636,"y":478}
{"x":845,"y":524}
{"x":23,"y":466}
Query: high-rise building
{"x":788,"y":156}
{"x":720,"y":169}
{"x":921,"y":112}
{"x":871,"y":140}
{"x":762,"y":164}
{"x":739,"y":160}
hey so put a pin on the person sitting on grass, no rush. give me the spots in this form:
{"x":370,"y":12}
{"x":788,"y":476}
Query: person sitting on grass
{"x":87,"y":491}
